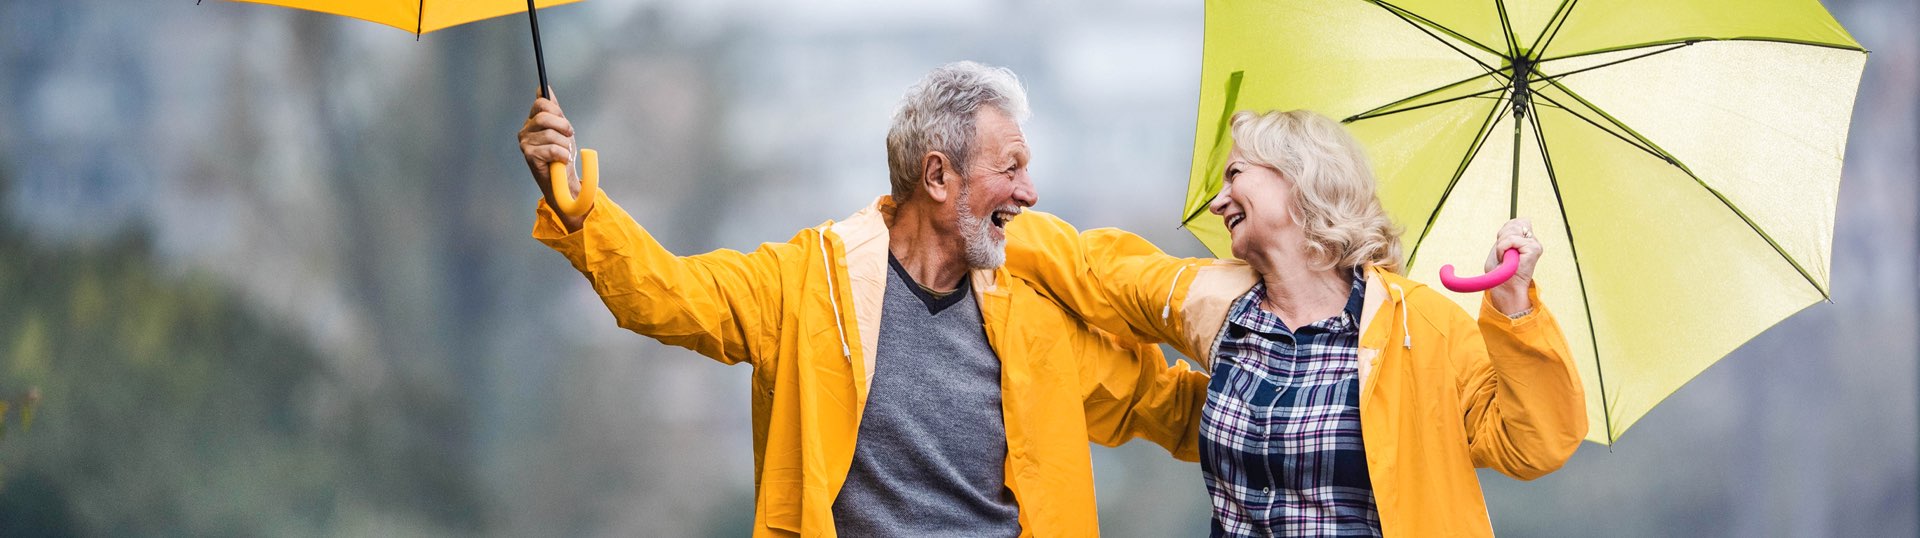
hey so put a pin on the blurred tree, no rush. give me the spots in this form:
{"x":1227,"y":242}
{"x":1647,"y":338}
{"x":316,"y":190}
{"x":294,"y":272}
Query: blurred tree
{"x":172,"y":408}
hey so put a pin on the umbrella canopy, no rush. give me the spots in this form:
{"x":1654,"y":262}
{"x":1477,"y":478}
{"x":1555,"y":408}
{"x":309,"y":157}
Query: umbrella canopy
{"x":417,"y":16}
{"x":1680,"y":158}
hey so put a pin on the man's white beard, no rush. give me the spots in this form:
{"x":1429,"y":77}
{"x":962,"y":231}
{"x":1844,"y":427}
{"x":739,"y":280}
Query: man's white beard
{"x":983,"y":250}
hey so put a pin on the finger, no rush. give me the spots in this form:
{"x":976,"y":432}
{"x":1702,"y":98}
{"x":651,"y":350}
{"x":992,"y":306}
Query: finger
{"x":545,"y":105}
{"x":546,"y":138}
{"x":1528,"y":248}
{"x":553,"y":153}
{"x":1497,"y":254}
{"x":550,"y":121}
{"x":1515,"y":227}
{"x":1530,"y":251}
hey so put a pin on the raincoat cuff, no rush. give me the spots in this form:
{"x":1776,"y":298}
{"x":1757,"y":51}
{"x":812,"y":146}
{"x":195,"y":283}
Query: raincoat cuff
{"x":548,"y":226}
{"x":549,"y":230}
{"x":1491,"y":315}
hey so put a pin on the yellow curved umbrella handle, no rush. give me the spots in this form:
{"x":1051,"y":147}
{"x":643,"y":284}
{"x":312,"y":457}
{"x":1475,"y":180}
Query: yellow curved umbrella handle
{"x":589,"y":182}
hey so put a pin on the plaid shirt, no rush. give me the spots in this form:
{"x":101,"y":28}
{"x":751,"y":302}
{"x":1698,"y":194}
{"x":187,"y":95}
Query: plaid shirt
{"x":1280,"y":433}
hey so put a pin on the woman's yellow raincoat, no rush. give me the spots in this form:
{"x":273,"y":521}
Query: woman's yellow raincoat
{"x":1440,"y":394}
{"x":806,"y":315}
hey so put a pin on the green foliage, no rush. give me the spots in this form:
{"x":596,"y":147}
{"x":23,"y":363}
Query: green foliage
{"x":170,"y":407}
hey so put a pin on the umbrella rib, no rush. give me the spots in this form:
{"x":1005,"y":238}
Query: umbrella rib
{"x":1693,"y":40}
{"x":1387,"y":109}
{"x":1559,"y":21}
{"x":1675,"y":161}
{"x":1639,"y":144}
{"x":1676,"y":46}
{"x":1423,"y":25}
{"x":1376,"y":113}
{"x":1580,"y":277}
{"x":1506,"y":28}
{"x":1479,"y":140}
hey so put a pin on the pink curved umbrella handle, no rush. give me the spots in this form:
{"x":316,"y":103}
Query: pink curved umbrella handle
{"x":1509,"y":262}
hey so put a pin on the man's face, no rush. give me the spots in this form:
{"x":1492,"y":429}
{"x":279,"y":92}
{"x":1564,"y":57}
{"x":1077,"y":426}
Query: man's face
{"x":995,"y":189}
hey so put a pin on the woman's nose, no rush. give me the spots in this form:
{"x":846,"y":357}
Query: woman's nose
{"x":1219,"y":204}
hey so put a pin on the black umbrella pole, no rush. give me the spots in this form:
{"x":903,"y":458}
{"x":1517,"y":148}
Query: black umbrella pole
{"x":539,"y":57}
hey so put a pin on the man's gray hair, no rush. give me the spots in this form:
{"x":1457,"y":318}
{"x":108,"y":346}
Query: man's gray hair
{"x":937,"y":115}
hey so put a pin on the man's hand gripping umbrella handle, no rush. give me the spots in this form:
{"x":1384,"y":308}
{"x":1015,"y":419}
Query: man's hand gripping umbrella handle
{"x":577,"y":207}
{"x":1509,"y":262}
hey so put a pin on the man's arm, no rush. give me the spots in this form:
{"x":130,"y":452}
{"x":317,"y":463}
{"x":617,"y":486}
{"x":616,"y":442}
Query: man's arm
{"x":1112,"y":279}
{"x":722,"y":304}
{"x":1129,"y":391}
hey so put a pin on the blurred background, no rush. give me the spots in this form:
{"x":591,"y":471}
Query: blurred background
{"x":268,"y":272}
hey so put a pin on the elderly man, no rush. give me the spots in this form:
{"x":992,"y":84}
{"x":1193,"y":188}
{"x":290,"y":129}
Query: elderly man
{"x":903,"y":383}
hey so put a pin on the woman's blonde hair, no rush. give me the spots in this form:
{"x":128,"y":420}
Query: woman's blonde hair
{"x":1334,"y":195}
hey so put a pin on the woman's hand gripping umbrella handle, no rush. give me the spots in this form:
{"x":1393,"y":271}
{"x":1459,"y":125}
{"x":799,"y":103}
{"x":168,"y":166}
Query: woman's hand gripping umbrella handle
{"x":569,"y":204}
{"x":1509,"y":262}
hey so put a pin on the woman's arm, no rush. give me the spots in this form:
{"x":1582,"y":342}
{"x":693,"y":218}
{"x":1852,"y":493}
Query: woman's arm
{"x":1525,"y":407}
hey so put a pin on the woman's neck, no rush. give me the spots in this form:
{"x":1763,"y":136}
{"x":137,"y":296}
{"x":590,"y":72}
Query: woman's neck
{"x":1296,"y":291}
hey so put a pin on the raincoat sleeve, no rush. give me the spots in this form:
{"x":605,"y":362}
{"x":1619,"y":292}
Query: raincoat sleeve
{"x":717,"y":304}
{"x":1525,"y":408}
{"x":1131,"y":392}
{"x":1112,"y":279}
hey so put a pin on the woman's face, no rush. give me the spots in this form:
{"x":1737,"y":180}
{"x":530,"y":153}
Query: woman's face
{"x":1256,"y":202}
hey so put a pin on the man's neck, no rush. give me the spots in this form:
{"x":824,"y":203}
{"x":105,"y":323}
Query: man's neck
{"x":933,"y":257}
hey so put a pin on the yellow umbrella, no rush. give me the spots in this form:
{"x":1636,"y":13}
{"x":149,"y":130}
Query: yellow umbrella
{"x":422,"y":16}
{"x":1680,"y":158}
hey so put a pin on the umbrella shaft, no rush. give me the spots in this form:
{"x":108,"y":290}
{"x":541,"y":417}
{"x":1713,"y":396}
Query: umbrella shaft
{"x":1522,"y":70}
{"x":539,"y":57}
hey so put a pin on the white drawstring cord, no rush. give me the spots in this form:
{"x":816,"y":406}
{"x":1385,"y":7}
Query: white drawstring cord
{"x":833,"y":298}
{"x":1405,"y":335}
{"x":1167,"y":309}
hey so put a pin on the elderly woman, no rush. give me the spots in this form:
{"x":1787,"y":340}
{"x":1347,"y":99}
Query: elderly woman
{"x":1346,"y":399}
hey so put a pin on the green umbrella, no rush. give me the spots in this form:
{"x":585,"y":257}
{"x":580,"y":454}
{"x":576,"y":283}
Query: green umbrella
{"x":1680,"y":159}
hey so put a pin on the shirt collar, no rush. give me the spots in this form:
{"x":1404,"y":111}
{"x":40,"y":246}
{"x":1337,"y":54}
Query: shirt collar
{"x":1246,"y":312}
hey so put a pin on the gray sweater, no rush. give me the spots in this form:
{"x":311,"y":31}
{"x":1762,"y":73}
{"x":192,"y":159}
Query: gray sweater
{"x":931,"y":456}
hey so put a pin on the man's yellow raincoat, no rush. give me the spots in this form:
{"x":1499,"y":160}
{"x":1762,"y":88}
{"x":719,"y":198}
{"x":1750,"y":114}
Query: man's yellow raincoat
{"x":1440,"y":394}
{"x":806,"y":315}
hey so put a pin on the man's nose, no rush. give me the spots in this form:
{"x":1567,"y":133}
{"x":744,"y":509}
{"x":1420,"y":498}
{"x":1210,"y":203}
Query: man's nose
{"x":1024,"y":192}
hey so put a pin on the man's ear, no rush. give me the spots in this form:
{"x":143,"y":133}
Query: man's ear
{"x":934,"y":168}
